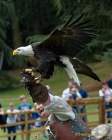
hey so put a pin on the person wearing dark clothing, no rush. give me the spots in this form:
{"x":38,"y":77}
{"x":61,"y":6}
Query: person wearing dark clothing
{"x":109,"y":82}
{"x":2,"y":116}
{"x":83,"y":93}
{"x":36,"y":116}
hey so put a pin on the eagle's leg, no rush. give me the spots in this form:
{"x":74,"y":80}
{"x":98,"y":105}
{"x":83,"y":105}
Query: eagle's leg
{"x":70,"y":69}
{"x":33,"y":71}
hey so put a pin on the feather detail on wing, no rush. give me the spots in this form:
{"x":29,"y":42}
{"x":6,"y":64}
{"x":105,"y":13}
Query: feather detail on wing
{"x":69,"y":39}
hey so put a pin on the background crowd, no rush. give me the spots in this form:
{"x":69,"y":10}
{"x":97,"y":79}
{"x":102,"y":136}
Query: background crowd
{"x":15,"y":114}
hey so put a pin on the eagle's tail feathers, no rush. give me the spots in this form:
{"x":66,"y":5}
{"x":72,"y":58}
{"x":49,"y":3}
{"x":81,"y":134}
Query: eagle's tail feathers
{"x":84,"y":69}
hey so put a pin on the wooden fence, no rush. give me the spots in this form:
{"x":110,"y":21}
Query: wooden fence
{"x":94,"y":111}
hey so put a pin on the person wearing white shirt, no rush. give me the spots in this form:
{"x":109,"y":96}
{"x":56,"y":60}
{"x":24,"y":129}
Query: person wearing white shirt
{"x":72,"y":94}
{"x":70,"y":91}
{"x":68,"y":94}
{"x":60,"y":108}
{"x":57,"y":109}
{"x":106,"y":93}
{"x":75,"y":92}
{"x":11,"y":120}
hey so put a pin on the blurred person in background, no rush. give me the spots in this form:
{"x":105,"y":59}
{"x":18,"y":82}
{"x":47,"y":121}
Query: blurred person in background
{"x":75,"y":92}
{"x":36,"y":116}
{"x":79,"y":93}
{"x":82,"y":91}
{"x":24,"y":106}
{"x":12,"y":118}
{"x":110,"y":81}
{"x":3,"y":117}
{"x":68,"y":92}
{"x":106,"y":93}
{"x":1,"y":110}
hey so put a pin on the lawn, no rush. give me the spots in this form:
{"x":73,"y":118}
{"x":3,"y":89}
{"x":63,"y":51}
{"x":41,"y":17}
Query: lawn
{"x":33,"y":136}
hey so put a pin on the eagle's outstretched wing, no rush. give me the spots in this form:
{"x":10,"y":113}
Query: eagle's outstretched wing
{"x":69,"y":39}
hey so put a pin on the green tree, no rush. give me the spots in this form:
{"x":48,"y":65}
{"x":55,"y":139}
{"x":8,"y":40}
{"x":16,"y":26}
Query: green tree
{"x":32,"y":20}
{"x":3,"y":34}
{"x":10,"y":36}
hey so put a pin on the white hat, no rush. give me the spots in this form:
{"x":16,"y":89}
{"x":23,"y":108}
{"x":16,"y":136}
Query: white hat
{"x":100,"y":131}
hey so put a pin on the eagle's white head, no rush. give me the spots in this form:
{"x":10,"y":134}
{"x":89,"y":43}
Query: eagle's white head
{"x":26,"y":51}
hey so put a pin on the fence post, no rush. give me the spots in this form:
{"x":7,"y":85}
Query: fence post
{"x":27,"y":126}
{"x":101,"y":111}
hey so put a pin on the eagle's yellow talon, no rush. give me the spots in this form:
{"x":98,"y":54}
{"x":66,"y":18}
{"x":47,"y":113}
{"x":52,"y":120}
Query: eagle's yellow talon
{"x":28,"y":70}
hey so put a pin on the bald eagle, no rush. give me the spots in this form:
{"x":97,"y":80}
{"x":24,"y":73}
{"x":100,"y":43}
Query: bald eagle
{"x":62,"y":47}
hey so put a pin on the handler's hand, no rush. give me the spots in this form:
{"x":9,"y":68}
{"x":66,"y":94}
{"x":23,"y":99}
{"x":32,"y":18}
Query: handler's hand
{"x":44,"y":114}
{"x":40,"y":108}
{"x":73,"y":89}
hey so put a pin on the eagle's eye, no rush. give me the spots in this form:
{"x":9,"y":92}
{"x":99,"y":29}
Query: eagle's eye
{"x":18,"y":50}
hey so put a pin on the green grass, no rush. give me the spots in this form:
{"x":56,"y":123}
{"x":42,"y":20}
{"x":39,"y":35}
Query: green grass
{"x":33,"y":136}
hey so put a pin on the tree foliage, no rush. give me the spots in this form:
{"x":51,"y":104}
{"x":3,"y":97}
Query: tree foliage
{"x":26,"y":21}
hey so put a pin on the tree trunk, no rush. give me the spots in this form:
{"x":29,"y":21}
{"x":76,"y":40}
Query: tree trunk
{"x":1,"y":59}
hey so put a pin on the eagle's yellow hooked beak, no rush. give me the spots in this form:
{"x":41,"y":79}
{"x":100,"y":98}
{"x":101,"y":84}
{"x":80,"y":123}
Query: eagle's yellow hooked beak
{"x":14,"y":52}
